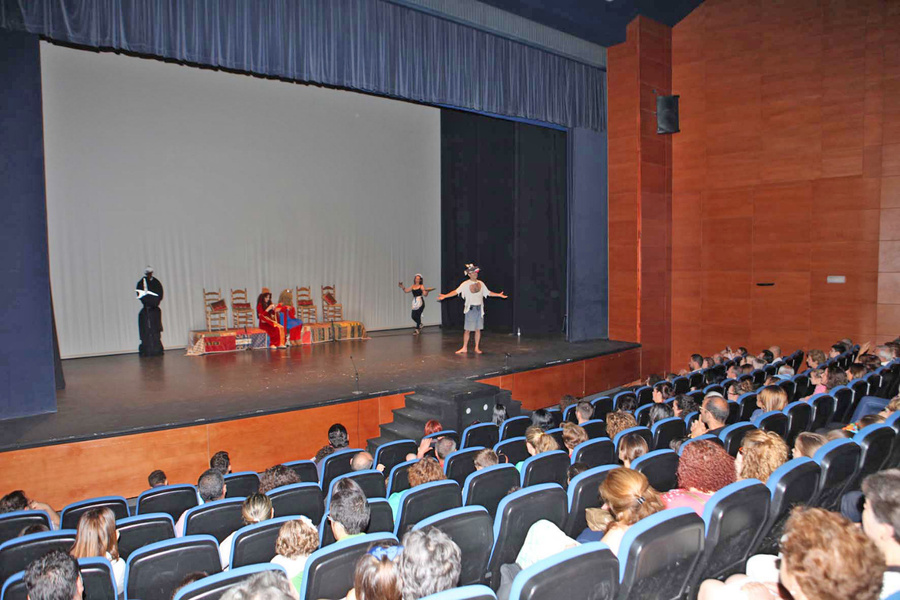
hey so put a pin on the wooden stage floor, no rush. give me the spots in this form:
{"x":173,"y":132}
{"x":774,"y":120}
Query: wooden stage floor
{"x":124,"y":394}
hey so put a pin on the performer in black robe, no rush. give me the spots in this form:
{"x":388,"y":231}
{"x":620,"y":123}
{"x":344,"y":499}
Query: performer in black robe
{"x":149,"y":291}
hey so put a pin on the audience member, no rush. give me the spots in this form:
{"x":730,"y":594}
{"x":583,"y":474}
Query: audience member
{"x":424,"y":471}
{"x":631,"y":446}
{"x":574,"y":470}
{"x":33,"y":528}
{"x":433,"y":426}
{"x":54,"y":576}
{"x":377,"y":575}
{"x":565,"y":402}
{"x":817,"y":378}
{"x":676,"y":444}
{"x":815,"y":359}
{"x":500,"y":414}
{"x":443,"y":448}
{"x":485,"y":458}
{"x":856,"y":371}
{"x":362,"y":461}
{"x":268,"y":585}
{"x":584,"y":412}
{"x":713,"y":415}
{"x":619,"y":421}
{"x":297,"y":539}
{"x":733,"y":392}
{"x":807,"y":443}
{"x":658,"y":412}
{"x":337,"y":440}
{"x":704,"y":468}
{"x":662,"y":392}
{"x":157,"y":478}
{"x":255,"y":509}
{"x":696,"y":362}
{"x":836,"y":350}
{"x":776,"y":352}
{"x":17,"y":500}
{"x":881,"y":523}
{"x":430,"y":563}
{"x":835,"y":376}
{"x":628,"y":404}
{"x":211,"y":486}
{"x":349,"y":510}
{"x":761,"y":453}
{"x":543,"y":419}
{"x":766,"y":356}
{"x":189,"y":579}
{"x":785,"y":372}
{"x":573,"y":435}
{"x":277,"y":476}
{"x":97,"y":537}
{"x":838,"y":434}
{"x":221,"y":462}
{"x":771,"y":397}
{"x":683,"y":405}
{"x":537,"y":442}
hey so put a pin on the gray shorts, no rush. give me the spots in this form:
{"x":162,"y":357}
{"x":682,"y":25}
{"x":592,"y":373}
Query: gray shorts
{"x":474,"y":319}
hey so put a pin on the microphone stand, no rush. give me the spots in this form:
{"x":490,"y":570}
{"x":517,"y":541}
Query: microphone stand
{"x":357,"y":390}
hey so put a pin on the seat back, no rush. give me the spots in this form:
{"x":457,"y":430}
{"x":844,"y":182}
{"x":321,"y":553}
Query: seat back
{"x":480,"y":434}
{"x":68,"y":518}
{"x":839,"y":461}
{"x":398,"y":480}
{"x":393,"y":453}
{"x":666,"y":430}
{"x":595,"y":428}
{"x":734,"y":517}
{"x":799,"y":414}
{"x":514,"y":427}
{"x":696,"y":379}
{"x":644,"y":432}
{"x":843,"y":403}
{"x":214,"y":586}
{"x":874,"y":381}
{"x":875,"y":442}
{"x":748,"y":405}
{"x":556,"y":415}
{"x":218,"y":518}
{"x":681,"y":385}
{"x":337,"y":463}
{"x":516,"y":513}
{"x":644,"y":395}
{"x":793,"y":483}
{"x":658,"y":554}
{"x":588,"y":571}
{"x":775,"y":421}
{"x":513,"y":449}
{"x":170,"y":499}
{"x":241,"y":485}
{"x":733,"y":436}
{"x":595,"y":453}
{"x":329,"y":571}
{"x":98,"y":579}
{"x":823,"y":410}
{"x":660,"y":467}
{"x":860,"y":389}
{"x":370,"y":480}
{"x":153,"y":572}
{"x":802,"y":388}
{"x":714,"y":387}
{"x":488,"y":486}
{"x":12,"y":523}
{"x":642,"y":415}
{"x":472,"y":528}
{"x":466,"y":592}
{"x":381,"y":520}
{"x":789,"y":388}
{"x":556,"y":432}
{"x":305,"y":469}
{"x":14,"y":587}
{"x":450,"y":433}
{"x":546,"y":467}
{"x":298,"y":499}
{"x":603,"y":405}
{"x":734,"y":412}
{"x":425,"y":500}
{"x":460,"y":464}
{"x":16,"y":554}
{"x":255,"y":543}
{"x":569,"y":414}
{"x":759,"y":376}
{"x":583,"y":493}
{"x":142,"y":530}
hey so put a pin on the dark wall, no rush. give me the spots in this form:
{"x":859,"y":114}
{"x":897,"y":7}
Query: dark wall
{"x":27,"y":382}
{"x":503,"y":207}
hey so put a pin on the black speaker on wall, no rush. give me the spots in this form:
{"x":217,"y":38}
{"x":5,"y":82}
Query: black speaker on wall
{"x":667,"y":114}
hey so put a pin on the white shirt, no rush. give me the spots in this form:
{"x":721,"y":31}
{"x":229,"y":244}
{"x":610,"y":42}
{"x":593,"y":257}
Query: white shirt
{"x":472,"y":298}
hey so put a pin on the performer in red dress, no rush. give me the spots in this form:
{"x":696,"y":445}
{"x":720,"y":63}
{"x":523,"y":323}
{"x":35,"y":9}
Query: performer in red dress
{"x":287,"y":315}
{"x":265,"y":312}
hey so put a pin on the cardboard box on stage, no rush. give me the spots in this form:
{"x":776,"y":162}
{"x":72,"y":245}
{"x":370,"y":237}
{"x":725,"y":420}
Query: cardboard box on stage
{"x":316,"y":333}
{"x":251,"y":338}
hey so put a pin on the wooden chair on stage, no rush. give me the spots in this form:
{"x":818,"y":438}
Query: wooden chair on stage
{"x":331,"y":310}
{"x":216,"y":310}
{"x":242,"y":314}
{"x":306,"y":308}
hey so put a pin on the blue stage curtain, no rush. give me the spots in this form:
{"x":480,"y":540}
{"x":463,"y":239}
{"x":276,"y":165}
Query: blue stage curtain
{"x":368,"y":45}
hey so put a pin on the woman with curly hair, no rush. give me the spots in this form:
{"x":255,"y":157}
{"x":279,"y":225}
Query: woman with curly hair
{"x":683,"y":405}
{"x":762,"y":452}
{"x":629,"y":497}
{"x":619,"y":421}
{"x":703,"y":469}
{"x":424,"y":471}
{"x":297,"y":539}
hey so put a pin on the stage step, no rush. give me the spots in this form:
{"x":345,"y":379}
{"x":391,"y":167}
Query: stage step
{"x":456,"y":404}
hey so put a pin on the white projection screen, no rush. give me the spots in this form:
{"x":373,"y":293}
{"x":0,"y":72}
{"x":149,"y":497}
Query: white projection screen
{"x":222,"y":180}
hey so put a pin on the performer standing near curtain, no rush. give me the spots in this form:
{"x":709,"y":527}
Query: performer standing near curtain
{"x":265,"y":312}
{"x":419,"y":291}
{"x":149,"y":291}
{"x":287,"y":315}
{"x":473,"y":292}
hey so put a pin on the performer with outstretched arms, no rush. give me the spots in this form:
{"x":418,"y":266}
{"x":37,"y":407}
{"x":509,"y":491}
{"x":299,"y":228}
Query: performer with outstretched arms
{"x":473,"y":292}
{"x":149,"y":291}
{"x":419,"y":291}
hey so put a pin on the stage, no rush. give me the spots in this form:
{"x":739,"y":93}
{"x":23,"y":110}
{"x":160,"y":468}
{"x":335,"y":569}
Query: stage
{"x":125,"y":394}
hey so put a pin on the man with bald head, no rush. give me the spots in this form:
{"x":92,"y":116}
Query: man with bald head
{"x":361,"y":461}
{"x":713,"y":415}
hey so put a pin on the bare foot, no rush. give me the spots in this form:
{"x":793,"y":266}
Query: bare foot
{"x":461,"y":351}
{"x":477,"y":351}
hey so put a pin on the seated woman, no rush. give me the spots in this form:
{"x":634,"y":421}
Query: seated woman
{"x":683,"y":405}
{"x":658,"y":412}
{"x":427,"y":444}
{"x":662,"y":392}
{"x":97,"y":536}
{"x":771,"y":397}
{"x":537,"y":442}
{"x":628,"y":497}
{"x":256,"y":509}
{"x":573,"y":435}
{"x":704,"y":468}
{"x":807,"y":443}
{"x":265,"y":312}
{"x":17,"y":500}
{"x":377,"y":575}
{"x":296,"y":540}
{"x":287,"y":316}
{"x":631,"y":446}
{"x":619,"y":421}
{"x":424,"y":471}
{"x":761,"y":453}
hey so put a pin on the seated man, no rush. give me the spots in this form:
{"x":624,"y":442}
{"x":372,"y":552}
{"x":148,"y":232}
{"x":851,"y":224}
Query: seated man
{"x":713,"y":415}
{"x":584,"y":412}
{"x":443,"y":448}
{"x":485,"y":458}
{"x":361,"y":461}
{"x":54,"y":576}
{"x":430,"y":563}
{"x":211,"y":486}
{"x":881,"y":522}
{"x":157,"y":478}
{"x":17,"y":500}
{"x":221,"y":462}
{"x":349,"y":511}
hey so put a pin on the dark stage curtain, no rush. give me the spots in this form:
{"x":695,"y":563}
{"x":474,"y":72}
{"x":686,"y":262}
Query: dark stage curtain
{"x":368,"y":45}
{"x":503,"y":207}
